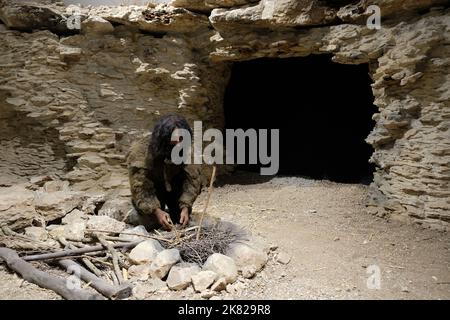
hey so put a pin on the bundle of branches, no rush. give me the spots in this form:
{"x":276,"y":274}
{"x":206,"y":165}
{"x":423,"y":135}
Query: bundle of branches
{"x":212,"y":240}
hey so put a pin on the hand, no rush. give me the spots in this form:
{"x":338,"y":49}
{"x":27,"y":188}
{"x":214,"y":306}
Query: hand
{"x":163,"y":219}
{"x":184,"y":216}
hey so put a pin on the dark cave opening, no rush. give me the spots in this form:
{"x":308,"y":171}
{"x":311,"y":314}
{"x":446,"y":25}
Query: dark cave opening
{"x":322,"y":109}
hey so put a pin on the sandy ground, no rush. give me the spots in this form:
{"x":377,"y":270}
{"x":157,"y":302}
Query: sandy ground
{"x":331,"y":242}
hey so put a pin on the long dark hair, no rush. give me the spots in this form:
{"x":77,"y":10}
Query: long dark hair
{"x":160,"y":146}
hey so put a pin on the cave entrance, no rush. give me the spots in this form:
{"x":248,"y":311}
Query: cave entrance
{"x":322,"y":109}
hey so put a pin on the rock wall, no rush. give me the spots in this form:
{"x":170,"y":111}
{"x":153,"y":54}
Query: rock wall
{"x":100,"y":87}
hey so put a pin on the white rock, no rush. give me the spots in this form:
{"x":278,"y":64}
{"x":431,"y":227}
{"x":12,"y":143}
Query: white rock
{"x":37,"y":233}
{"x":235,"y":288}
{"x":145,"y":252}
{"x":57,"y":204}
{"x":163,"y":262}
{"x":140,"y":271}
{"x":219,"y":285}
{"x":105,"y":223}
{"x":248,"y":260}
{"x":96,"y":24}
{"x":203,"y":280}
{"x":222,"y":265}
{"x":207,"y":294}
{"x":58,"y":185}
{"x":157,"y":285}
{"x":136,"y":230}
{"x":141,"y":291}
{"x":283,"y":258}
{"x":74,"y":216}
{"x":180,"y":275}
{"x":74,"y":231}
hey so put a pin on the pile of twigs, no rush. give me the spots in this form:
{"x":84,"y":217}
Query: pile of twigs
{"x":212,"y":240}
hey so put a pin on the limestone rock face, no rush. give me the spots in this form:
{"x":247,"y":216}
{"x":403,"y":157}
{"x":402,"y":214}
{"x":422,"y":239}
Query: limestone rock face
{"x":16,"y":207}
{"x":408,"y":61}
{"x":208,"y":5}
{"x":273,"y":14}
{"x":85,"y":94}
{"x":159,"y":19}
{"x":29,"y":15}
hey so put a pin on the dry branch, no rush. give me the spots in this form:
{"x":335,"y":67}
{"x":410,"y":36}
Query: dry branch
{"x":115,"y":257}
{"x":43,"y":279}
{"x":76,"y":252}
{"x":213,"y":175}
{"x":109,"y":291}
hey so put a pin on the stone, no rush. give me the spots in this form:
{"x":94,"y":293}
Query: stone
{"x":57,"y":204}
{"x":57,"y":185}
{"x":74,"y":231}
{"x":105,"y":223}
{"x":96,"y":25}
{"x":154,"y":19}
{"x":157,"y":285}
{"x":145,"y":252}
{"x":228,"y":3}
{"x":180,"y":275}
{"x":219,"y":285}
{"x":203,"y":280}
{"x":136,"y":230}
{"x":37,"y":233}
{"x":26,"y":16}
{"x":140,"y":271}
{"x":40,"y":181}
{"x":207,"y":294}
{"x":16,"y":207}
{"x":118,"y":208}
{"x":248,"y":260}
{"x":141,"y":291}
{"x":273,"y":14}
{"x":70,"y":53}
{"x":283,"y":258}
{"x":222,"y":265}
{"x":91,"y":160}
{"x":163,"y":262}
{"x":235,"y":288}
{"x":74,"y":216}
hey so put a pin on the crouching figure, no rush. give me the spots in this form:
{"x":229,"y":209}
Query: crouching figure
{"x":162,"y":192}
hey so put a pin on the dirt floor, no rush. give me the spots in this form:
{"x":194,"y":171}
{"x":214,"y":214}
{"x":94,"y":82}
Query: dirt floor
{"x":322,"y":227}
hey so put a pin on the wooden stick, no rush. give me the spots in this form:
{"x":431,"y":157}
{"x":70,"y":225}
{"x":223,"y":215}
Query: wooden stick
{"x":109,"y":291}
{"x":75,"y":252}
{"x":85,"y":260}
{"x":213,"y":175}
{"x":43,"y":279}
{"x":115,"y":257}
{"x":128,"y":233}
